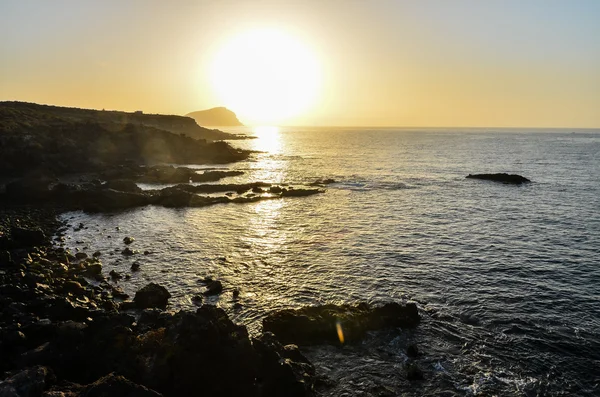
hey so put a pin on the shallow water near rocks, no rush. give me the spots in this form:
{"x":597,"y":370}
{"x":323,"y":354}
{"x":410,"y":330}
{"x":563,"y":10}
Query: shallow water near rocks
{"x":506,"y":277}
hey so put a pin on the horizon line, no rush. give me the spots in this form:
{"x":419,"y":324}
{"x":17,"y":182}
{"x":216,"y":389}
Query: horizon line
{"x":315,"y":125}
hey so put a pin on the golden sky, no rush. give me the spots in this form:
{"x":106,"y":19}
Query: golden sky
{"x":379,"y":63}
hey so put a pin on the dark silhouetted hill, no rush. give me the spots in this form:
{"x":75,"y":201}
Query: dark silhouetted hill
{"x":24,"y":114}
{"x":216,"y":117}
{"x":66,"y":140}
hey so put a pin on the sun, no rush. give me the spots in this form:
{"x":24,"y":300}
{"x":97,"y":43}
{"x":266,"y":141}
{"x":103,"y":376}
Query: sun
{"x":266,"y":76}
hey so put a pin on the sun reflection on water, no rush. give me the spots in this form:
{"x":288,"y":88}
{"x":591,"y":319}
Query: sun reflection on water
{"x":267,"y":236}
{"x":268,"y":139}
{"x":270,"y":165}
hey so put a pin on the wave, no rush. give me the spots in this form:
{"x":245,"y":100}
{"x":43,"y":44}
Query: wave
{"x":355,"y":185}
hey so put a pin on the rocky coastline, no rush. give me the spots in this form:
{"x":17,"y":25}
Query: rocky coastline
{"x":66,"y":329}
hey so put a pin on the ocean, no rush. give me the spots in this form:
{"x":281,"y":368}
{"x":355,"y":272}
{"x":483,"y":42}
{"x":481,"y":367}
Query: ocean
{"x":507,"y":278}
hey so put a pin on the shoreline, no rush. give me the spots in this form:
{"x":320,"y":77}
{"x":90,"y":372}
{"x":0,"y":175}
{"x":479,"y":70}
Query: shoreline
{"x":66,"y":329}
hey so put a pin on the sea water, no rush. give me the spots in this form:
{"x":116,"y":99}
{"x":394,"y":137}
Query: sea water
{"x":507,"y":278}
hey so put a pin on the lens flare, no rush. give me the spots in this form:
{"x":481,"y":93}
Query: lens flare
{"x":340,"y":331}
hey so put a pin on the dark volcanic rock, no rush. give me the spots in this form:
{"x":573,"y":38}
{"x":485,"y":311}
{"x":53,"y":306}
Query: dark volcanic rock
{"x":122,"y":185}
{"x":33,"y":189}
{"x":214,"y":288}
{"x":413,"y":372}
{"x":321,"y":182}
{"x":284,"y":369}
{"x":412,"y":350}
{"x":152,"y":295}
{"x":30,"y":382}
{"x":27,"y":237}
{"x":320,"y":324}
{"x":115,"y":385}
{"x":512,"y":179}
{"x":128,"y":252}
{"x":300,"y":192}
{"x":201,"y":353}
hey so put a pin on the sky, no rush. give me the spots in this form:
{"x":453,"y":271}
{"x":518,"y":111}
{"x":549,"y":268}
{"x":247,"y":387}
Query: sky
{"x":470,"y":63}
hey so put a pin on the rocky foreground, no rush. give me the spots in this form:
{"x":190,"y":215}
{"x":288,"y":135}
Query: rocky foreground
{"x":65,"y":330}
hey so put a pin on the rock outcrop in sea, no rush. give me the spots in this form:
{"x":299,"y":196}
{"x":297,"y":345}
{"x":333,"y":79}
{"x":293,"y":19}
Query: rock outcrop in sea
{"x":512,"y":179}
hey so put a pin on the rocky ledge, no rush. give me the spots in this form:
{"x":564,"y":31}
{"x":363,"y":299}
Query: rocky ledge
{"x":512,"y":179}
{"x":338,"y":324}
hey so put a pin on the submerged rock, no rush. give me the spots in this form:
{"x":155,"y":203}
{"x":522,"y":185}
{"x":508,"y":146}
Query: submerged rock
{"x":321,"y":182}
{"x":512,"y":179}
{"x":413,"y":372}
{"x":338,"y":324}
{"x":128,"y":252}
{"x":299,"y":192}
{"x":151,"y":296}
{"x":412,"y":350}
{"x":213,"y":288}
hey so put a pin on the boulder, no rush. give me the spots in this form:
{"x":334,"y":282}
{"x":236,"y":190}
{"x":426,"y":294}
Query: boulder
{"x":213,"y":288}
{"x":128,"y":240}
{"x":338,"y":324}
{"x":27,"y":237}
{"x":202,"y":353}
{"x":30,"y":382}
{"x":116,"y":385}
{"x":29,"y":189}
{"x":512,"y":179}
{"x":128,"y":252}
{"x":284,"y":370}
{"x":412,"y":350}
{"x":73,"y":287}
{"x":152,"y":295}
{"x":108,"y":200}
{"x":413,"y":372}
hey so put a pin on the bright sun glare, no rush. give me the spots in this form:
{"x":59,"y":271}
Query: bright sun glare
{"x":266,"y":76}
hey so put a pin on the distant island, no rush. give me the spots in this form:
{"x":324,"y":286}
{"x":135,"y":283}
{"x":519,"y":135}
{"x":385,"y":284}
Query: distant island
{"x":219,"y":116}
